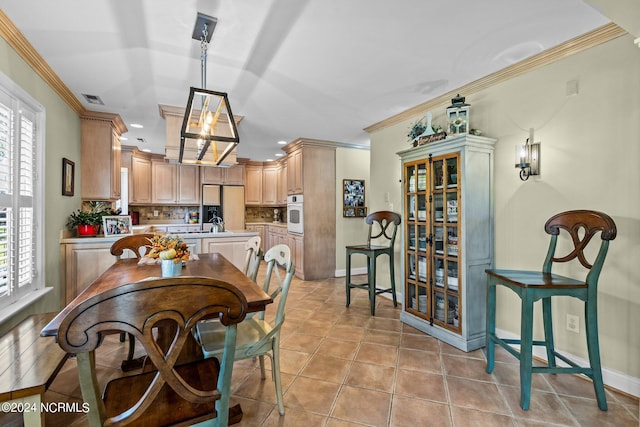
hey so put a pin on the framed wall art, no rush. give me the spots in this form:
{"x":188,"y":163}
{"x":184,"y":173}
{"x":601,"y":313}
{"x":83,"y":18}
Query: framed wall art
{"x":68,"y":177}
{"x":353,"y":198}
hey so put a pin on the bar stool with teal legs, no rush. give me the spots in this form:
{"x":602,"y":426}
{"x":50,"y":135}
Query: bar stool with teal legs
{"x":531,"y":286}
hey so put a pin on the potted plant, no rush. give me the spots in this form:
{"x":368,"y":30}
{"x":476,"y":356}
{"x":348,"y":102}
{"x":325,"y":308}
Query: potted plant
{"x":88,"y":222}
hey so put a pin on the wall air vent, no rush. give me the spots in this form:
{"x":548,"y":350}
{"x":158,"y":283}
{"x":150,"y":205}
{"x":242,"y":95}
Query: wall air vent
{"x":93,"y":99}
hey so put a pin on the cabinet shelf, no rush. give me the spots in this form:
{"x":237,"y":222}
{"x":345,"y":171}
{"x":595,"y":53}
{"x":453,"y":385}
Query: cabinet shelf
{"x":444,"y":283}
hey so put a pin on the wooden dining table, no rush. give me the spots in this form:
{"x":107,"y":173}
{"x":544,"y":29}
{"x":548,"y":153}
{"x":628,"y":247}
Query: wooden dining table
{"x":129,"y":270}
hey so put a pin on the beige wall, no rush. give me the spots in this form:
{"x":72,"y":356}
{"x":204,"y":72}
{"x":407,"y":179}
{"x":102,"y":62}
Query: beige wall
{"x":62,"y":139}
{"x":351,"y":163}
{"x":590,"y":151}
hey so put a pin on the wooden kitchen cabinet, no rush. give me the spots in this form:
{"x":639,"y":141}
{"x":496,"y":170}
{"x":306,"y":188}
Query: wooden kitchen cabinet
{"x":261,"y":229}
{"x":294,"y":172}
{"x":233,"y":175}
{"x":100,"y":155}
{"x":175,"y":184}
{"x":282,"y":184}
{"x":188,"y":190}
{"x":253,"y":185}
{"x":140,"y":180}
{"x":163,"y":176}
{"x":270,"y":185}
{"x":318,"y":176}
{"x":83,"y":263}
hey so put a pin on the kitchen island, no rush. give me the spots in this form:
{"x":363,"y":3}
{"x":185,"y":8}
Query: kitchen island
{"x":86,"y":258}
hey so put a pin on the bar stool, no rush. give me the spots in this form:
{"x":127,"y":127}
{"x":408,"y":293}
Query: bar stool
{"x":387,"y":222}
{"x":530,"y":286}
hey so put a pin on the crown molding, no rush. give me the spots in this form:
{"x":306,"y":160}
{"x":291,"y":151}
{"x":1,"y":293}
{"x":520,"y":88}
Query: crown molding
{"x":28,"y":53}
{"x":578,"y":44}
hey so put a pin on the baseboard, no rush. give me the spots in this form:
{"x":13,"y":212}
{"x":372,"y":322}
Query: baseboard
{"x":612,"y":378}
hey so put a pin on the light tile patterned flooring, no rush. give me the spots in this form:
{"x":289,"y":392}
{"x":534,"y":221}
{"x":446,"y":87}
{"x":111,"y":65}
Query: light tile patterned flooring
{"x":341,"y":367}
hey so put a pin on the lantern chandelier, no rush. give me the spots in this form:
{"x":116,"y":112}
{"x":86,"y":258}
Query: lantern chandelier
{"x":208,"y":121}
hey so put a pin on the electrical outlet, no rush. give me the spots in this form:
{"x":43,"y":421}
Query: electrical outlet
{"x":573,"y":323}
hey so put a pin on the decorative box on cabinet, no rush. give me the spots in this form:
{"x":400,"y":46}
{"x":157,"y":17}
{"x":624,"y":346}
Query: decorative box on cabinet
{"x":448,"y":238}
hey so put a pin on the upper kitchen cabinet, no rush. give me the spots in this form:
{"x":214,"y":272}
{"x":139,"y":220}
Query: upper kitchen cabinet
{"x":100,"y":155}
{"x":270,"y":184}
{"x":282,"y":183}
{"x":139,"y":165}
{"x":264,"y":184}
{"x":174,"y":184}
{"x":294,"y":172}
{"x":253,"y":184}
{"x":233,"y":175}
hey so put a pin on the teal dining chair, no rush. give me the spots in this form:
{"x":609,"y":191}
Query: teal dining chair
{"x":257,"y":337}
{"x":531,"y":286}
{"x":382,"y":225}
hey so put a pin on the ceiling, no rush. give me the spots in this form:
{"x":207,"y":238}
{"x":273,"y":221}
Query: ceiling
{"x":322,"y":69}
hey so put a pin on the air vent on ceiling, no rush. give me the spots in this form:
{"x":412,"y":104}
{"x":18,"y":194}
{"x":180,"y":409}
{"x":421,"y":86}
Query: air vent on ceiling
{"x":141,"y":140}
{"x":93,"y":99}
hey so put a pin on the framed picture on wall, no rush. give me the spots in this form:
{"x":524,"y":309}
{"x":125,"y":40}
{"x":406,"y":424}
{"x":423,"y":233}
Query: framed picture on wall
{"x":353,"y":198}
{"x":68,"y":177}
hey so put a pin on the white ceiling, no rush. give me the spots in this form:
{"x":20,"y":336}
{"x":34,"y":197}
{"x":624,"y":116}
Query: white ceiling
{"x":322,"y":69}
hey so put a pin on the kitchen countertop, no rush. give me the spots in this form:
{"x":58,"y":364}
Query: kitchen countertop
{"x":198,"y":235}
{"x":275,"y":224}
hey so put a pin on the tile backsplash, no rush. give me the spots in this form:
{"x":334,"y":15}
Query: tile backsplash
{"x":263,"y":214}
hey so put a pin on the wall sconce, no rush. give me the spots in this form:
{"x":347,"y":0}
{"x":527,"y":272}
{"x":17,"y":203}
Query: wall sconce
{"x":528,"y":157}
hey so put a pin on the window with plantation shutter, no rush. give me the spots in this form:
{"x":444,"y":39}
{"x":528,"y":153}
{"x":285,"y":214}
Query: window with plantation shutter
{"x":21,"y":202}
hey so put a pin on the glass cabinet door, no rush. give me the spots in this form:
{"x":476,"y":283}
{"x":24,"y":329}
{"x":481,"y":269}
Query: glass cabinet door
{"x":417,"y":237}
{"x":446,"y":248}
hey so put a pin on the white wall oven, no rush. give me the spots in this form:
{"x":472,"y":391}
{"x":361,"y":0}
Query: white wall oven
{"x":295,"y":214}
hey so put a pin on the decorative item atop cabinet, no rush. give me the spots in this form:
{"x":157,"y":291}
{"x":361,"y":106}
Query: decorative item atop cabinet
{"x":448,"y":237}
{"x":100,"y":155}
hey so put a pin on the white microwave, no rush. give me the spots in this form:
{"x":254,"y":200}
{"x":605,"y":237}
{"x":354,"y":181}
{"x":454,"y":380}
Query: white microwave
{"x":295,"y":214}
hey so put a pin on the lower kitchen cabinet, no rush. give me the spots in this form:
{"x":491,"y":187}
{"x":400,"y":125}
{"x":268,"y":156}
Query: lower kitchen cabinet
{"x":84,"y":262}
{"x":261,"y":230}
{"x":232,"y":248}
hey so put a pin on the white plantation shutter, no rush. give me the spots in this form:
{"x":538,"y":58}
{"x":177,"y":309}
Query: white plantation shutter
{"x":20,"y":261}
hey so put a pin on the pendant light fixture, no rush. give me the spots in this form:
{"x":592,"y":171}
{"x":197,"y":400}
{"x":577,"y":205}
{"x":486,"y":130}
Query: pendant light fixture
{"x":208,"y":124}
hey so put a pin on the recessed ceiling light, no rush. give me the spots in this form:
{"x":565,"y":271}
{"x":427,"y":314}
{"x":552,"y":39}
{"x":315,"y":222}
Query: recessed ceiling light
{"x":269,"y":160}
{"x":282,"y":142}
{"x":124,"y":138}
{"x":279,"y":155}
{"x":146,"y":150}
{"x":136,"y":125}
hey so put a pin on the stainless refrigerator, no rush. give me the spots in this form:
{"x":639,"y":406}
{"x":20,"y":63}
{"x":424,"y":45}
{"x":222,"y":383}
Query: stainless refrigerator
{"x":225,"y":201}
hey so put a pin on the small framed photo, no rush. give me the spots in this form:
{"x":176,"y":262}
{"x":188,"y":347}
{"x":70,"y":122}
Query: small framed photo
{"x":117,"y":225}
{"x":68,"y":176}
